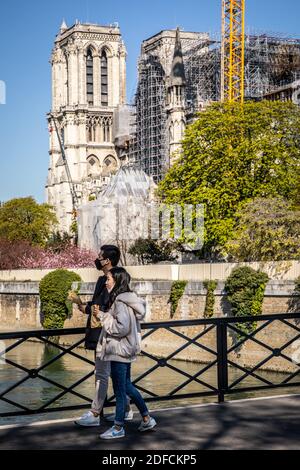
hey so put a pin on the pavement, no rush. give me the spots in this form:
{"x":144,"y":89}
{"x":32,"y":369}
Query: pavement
{"x":255,"y":424}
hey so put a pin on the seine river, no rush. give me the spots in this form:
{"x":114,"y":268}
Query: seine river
{"x":68,"y":370}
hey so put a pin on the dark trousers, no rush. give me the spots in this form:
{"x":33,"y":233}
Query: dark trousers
{"x":120,"y":374}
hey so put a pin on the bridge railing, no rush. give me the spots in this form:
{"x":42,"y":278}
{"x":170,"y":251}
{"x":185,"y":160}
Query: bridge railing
{"x":217,"y":347}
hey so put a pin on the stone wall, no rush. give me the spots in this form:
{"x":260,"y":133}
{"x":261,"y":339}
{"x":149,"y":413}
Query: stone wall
{"x":19,"y":306}
{"x":20,"y":310}
{"x":276,"y":270}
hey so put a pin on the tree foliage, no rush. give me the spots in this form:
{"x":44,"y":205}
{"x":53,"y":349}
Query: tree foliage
{"x":266,"y":230}
{"x":231,"y":154}
{"x":151,"y":251}
{"x":25,"y":219}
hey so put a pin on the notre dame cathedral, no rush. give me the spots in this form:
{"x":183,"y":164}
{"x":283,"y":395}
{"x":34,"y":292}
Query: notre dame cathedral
{"x":91,"y":120}
{"x":88,"y":88}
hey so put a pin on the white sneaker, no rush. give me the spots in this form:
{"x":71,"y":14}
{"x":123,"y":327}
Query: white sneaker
{"x":128,"y":416}
{"x":150,"y":424}
{"x":112,"y":433}
{"x":88,"y":419}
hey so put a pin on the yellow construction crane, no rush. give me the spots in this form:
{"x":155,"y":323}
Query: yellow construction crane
{"x":233,"y":51}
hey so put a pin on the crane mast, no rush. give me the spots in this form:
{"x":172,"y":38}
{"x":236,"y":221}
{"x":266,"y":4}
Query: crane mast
{"x":233,"y":51}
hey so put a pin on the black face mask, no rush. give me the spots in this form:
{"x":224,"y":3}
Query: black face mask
{"x":98,"y":264}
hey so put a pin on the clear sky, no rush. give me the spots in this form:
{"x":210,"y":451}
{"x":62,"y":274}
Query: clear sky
{"x":28,"y":29}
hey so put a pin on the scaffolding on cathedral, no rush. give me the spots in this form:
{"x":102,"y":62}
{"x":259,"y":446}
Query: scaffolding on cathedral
{"x":202,"y":70}
{"x":271,"y":61}
{"x":149,"y":148}
{"x":151,"y":117}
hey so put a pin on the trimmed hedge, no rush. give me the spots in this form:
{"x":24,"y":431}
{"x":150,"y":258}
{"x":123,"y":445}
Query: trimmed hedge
{"x":54,"y":288}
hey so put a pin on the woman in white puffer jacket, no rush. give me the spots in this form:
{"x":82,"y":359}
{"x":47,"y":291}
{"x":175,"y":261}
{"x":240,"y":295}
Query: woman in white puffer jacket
{"x":119,"y":343}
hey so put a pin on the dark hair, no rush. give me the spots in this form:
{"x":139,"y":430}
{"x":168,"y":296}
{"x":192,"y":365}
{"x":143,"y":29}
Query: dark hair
{"x":112,"y":253}
{"x":122,"y":280}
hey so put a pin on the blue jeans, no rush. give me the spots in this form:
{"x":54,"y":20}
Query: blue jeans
{"x":120,"y":374}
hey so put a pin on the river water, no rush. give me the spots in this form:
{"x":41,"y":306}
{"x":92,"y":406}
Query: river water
{"x":36,"y":392}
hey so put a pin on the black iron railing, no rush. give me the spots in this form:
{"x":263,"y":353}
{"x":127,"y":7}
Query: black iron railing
{"x":219,"y":354}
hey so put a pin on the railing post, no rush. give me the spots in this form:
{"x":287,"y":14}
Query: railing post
{"x":222,"y":360}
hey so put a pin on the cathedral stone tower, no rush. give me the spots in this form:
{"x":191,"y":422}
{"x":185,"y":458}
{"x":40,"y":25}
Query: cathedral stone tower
{"x":88,"y":87}
{"x":176,"y":121}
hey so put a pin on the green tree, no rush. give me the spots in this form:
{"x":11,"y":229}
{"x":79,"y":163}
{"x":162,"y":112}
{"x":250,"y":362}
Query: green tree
{"x":151,"y":251}
{"x":25,"y":219}
{"x":234,"y":153}
{"x":267,"y":229}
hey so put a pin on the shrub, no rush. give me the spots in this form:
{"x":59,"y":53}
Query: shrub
{"x":54,"y":289}
{"x":245,"y":289}
{"x":177,"y":291}
{"x":210,"y":286}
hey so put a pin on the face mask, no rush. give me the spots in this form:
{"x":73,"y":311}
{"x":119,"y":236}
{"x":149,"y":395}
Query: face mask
{"x":98,"y":264}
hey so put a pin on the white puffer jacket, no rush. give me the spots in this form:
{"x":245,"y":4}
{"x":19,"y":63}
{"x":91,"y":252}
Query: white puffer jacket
{"x":120,"y":338}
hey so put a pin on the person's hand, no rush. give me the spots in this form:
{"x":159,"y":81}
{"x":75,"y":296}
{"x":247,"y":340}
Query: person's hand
{"x":74,"y":298}
{"x":95,"y":310}
{"x":82,"y":308}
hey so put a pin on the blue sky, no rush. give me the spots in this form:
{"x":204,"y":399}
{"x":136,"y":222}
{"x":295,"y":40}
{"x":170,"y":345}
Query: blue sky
{"x":28,"y":29}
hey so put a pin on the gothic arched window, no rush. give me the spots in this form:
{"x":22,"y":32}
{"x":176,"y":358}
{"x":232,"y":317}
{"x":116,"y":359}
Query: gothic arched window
{"x":89,"y":78}
{"x":107,"y":124}
{"x":93,"y":165}
{"x":104,"y":79}
{"x":110,"y":165}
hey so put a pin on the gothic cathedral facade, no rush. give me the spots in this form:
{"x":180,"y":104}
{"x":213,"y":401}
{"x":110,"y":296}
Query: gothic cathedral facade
{"x":88,"y":86}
